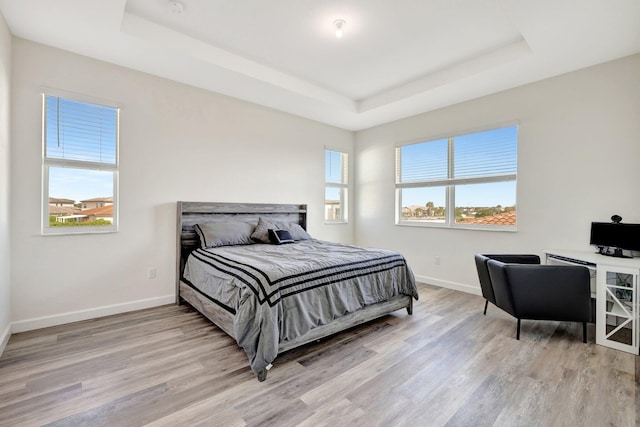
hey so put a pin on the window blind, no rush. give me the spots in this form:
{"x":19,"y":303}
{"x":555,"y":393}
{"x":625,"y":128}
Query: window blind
{"x":487,"y":153}
{"x":336,"y":167}
{"x":426,"y":161}
{"x":79,"y":131}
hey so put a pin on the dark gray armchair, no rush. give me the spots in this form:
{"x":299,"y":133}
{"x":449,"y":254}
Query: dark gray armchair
{"x":519,"y":285}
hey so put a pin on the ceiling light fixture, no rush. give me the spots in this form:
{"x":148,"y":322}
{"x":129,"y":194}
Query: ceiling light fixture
{"x":175,"y":7}
{"x":339,"y":24}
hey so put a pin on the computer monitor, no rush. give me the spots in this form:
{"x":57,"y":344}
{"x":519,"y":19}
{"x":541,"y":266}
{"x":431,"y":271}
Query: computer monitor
{"x":612,"y":238}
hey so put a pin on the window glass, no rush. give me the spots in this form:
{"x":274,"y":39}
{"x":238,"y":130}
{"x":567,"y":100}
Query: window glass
{"x":489,"y":204}
{"x":80,"y":167}
{"x":467,"y":180}
{"x":333,"y":204}
{"x":336,"y":185}
{"x":424,"y":204}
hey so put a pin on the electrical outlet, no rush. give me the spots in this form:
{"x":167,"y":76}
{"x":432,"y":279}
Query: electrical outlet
{"x":152,"y":273}
{"x":436,"y":260}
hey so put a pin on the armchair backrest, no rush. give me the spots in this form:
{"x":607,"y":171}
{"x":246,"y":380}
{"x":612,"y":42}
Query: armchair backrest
{"x":543,"y":292}
{"x":483,"y":271}
{"x":483,"y":276}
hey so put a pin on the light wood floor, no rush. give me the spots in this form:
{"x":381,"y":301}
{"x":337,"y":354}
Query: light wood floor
{"x":445,"y":365}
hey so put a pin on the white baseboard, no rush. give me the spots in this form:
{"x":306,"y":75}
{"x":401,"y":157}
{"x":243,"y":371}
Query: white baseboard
{"x":470,"y":289}
{"x":4,"y":338}
{"x":91,"y":313}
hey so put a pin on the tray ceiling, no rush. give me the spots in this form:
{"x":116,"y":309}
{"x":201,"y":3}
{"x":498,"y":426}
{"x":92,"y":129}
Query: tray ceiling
{"x":396,"y":59}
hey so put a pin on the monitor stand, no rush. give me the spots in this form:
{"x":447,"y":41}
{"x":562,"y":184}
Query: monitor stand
{"x":617,"y":252}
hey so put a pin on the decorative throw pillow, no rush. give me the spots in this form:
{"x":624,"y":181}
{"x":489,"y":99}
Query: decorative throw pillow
{"x":215,"y":234}
{"x":278,"y":237}
{"x":261,"y":233}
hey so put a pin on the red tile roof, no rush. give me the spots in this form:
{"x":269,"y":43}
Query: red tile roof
{"x":99,"y":199}
{"x":104,"y":211}
{"x":504,"y":218}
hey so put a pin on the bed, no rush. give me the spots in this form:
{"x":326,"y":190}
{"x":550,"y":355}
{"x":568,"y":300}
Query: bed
{"x":273,"y":297}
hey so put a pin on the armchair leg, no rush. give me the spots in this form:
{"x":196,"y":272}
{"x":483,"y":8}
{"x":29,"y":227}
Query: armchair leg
{"x":584,"y":332}
{"x":518,"y":331}
{"x":486,"y":303}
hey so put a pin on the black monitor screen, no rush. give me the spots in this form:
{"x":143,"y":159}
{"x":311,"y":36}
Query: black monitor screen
{"x":623,"y":236}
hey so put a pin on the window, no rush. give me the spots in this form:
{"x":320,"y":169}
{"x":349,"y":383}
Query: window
{"x":336,"y":165}
{"x":460,"y":181}
{"x":80,"y":167}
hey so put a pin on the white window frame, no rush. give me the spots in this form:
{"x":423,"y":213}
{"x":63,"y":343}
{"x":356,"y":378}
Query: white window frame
{"x":343,"y":186}
{"x":48,"y":162}
{"x":450,"y":184}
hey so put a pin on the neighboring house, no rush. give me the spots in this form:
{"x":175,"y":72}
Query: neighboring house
{"x":417,"y":211}
{"x":103,"y":212}
{"x":96,"y":203}
{"x":411,"y":211}
{"x":56,"y":210}
{"x":332,"y":208}
{"x":68,"y":218}
{"x":65,"y":203}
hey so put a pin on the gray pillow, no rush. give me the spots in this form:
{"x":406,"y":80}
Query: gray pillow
{"x":215,"y":234}
{"x":261,"y":233}
{"x":297,"y":232}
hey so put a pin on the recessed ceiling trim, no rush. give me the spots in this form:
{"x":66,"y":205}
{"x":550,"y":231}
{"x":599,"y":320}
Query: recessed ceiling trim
{"x":163,"y":37}
{"x":495,"y":58}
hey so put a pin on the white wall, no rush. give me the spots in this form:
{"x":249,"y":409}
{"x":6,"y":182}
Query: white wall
{"x":5,"y":135}
{"x":578,"y":161}
{"x":176,"y":143}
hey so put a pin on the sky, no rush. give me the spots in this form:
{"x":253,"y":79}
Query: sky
{"x":79,"y":184}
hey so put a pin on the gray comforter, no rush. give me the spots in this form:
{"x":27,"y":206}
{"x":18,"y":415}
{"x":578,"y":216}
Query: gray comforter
{"x":280,"y":292}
